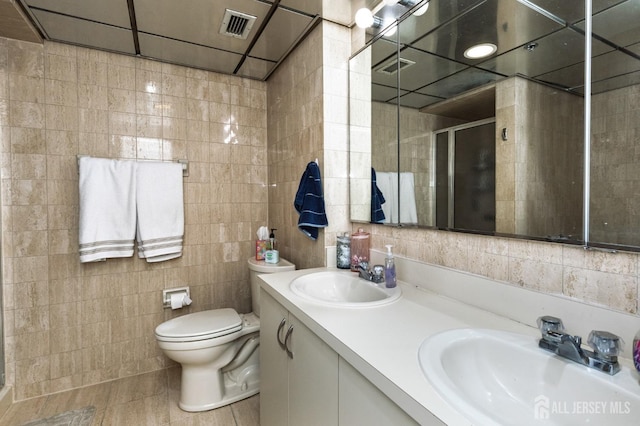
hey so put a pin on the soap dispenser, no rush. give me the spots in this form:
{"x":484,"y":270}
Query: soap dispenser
{"x":389,"y":269}
{"x":272,"y":239}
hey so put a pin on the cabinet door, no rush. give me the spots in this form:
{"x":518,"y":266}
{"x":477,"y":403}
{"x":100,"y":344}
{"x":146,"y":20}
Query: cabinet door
{"x":273,"y":363}
{"x":361,"y":403}
{"x":313,"y":379}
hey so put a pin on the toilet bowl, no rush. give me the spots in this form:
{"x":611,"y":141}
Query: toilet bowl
{"x":218,"y":349}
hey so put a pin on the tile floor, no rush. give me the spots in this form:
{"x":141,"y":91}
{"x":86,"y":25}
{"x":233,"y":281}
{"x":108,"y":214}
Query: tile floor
{"x":147,"y":399}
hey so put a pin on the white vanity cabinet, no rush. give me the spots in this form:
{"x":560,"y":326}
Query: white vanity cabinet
{"x":361,"y":403}
{"x":298,"y":371}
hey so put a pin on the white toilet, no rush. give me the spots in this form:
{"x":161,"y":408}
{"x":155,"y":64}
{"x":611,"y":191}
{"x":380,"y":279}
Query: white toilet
{"x":218,"y":349}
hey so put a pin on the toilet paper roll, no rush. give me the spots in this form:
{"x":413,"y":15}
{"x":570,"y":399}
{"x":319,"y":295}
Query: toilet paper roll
{"x":177,"y":300}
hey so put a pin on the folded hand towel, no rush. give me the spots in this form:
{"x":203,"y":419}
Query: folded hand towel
{"x":107,"y":208}
{"x":160,"y":211}
{"x":377,"y":200}
{"x":309,"y":202}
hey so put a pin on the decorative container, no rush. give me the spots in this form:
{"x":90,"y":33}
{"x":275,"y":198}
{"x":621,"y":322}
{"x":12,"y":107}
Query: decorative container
{"x":359,"y":249}
{"x":343,"y":251}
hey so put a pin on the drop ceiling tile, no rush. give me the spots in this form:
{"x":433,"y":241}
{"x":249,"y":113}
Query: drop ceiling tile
{"x":283,"y":29}
{"x":415,"y":27}
{"x":310,"y":7}
{"x":86,"y":33}
{"x":505,"y":24}
{"x":620,"y":24}
{"x":418,"y":100}
{"x":460,"y":82}
{"x":613,"y":64}
{"x":14,"y":24}
{"x":199,"y":22}
{"x":381,"y":51}
{"x":426,"y":70}
{"x":634,"y":48}
{"x":107,"y":12}
{"x":177,"y":52}
{"x":617,"y":82}
{"x":572,"y":12}
{"x":380,"y":93}
{"x":603,"y":67}
{"x":561,"y":49}
{"x":256,"y":68}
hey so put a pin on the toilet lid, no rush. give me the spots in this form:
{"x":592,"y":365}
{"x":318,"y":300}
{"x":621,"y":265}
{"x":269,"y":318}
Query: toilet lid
{"x":200,"y":325}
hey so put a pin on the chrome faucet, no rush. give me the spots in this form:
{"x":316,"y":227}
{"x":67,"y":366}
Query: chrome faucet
{"x":375,"y":275}
{"x":606,"y":346}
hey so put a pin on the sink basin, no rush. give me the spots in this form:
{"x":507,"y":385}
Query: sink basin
{"x":501,"y":378}
{"x":343,"y":289}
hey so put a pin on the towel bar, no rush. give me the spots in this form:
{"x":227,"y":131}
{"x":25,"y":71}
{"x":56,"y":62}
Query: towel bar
{"x":184,"y":162}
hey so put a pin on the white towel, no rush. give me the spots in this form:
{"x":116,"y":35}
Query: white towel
{"x":399,"y":207}
{"x":385,"y":181}
{"x":160,"y":211}
{"x":408,"y":211}
{"x":107,"y":208}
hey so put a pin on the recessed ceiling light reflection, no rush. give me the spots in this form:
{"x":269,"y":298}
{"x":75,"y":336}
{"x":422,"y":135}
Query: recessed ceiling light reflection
{"x":480,"y":51}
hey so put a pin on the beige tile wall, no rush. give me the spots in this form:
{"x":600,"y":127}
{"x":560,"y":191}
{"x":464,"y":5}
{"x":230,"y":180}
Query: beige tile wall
{"x":539,"y":168}
{"x":295,"y":138}
{"x":307,"y":110}
{"x":603,"y":279}
{"x":615,"y":175}
{"x":68,"y":324}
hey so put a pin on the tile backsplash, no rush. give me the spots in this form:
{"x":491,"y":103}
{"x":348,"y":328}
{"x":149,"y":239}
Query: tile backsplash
{"x":595,"y":277}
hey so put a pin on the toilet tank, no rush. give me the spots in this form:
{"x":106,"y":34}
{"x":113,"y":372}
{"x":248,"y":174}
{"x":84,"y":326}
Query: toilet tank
{"x":258,"y":267}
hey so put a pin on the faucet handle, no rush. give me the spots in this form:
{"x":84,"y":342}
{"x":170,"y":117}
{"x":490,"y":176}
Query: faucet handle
{"x":363,"y":266}
{"x":548,"y":323}
{"x":605,"y":344}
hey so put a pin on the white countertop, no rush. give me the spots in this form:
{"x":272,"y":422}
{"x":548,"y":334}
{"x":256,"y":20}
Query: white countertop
{"x":383,"y":342}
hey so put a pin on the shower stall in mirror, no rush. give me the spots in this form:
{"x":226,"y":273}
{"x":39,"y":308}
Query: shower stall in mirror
{"x":465,"y":177}
{"x":614,"y":201}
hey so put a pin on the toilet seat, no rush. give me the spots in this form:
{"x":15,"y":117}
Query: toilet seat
{"x":198,"y":326}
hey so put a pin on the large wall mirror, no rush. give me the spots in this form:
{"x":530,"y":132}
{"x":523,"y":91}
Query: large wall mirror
{"x":496,"y":144}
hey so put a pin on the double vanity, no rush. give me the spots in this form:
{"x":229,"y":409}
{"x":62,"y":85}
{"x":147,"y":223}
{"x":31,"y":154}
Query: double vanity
{"x":444,"y":347}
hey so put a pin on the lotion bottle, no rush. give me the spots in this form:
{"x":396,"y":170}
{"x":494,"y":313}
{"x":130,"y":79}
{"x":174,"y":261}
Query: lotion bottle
{"x":389,"y":269}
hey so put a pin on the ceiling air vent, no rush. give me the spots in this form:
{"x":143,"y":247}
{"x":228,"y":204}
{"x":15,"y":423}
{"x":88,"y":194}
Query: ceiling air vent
{"x":236,"y":24}
{"x":391,"y":67}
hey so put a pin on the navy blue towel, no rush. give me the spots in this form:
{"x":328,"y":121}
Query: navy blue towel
{"x":309,"y":202}
{"x":377,"y":200}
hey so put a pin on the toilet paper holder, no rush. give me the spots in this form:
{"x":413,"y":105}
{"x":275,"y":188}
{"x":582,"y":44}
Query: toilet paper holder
{"x":166,"y":295}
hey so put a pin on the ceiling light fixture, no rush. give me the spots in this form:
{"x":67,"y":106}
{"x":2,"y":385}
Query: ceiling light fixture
{"x":365,"y":18}
{"x":480,"y":51}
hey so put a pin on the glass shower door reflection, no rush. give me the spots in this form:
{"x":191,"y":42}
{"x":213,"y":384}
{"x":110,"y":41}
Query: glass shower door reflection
{"x":465,"y":177}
